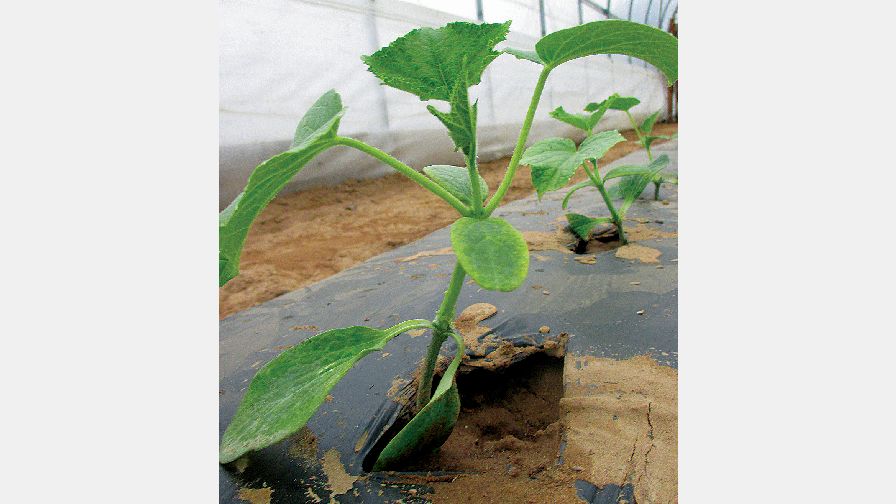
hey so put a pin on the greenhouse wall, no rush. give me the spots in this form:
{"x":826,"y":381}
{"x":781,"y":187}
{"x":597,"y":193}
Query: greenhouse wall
{"x":279,"y":56}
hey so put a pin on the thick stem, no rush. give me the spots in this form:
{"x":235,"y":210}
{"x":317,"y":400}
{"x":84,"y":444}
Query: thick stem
{"x":440,"y":332}
{"x":617,"y":220}
{"x":520,"y":144}
{"x":656,"y":191}
{"x":407,"y":171}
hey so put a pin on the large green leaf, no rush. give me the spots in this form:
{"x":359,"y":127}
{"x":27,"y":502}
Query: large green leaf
{"x":455,"y":180}
{"x":523,"y":55}
{"x":315,"y":133}
{"x":288,"y":390}
{"x":428,"y":62}
{"x":574,"y":188}
{"x":460,"y":120}
{"x":491,"y":251}
{"x":582,"y":225}
{"x":654,"y":46}
{"x":555,"y":160}
{"x":432,"y":425}
{"x":615,"y":102}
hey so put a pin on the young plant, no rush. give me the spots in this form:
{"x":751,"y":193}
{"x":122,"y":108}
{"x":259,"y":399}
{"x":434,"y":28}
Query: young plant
{"x":644,"y":130}
{"x":434,"y":64}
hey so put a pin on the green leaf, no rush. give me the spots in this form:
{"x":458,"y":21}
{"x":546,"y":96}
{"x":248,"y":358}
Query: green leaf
{"x":456,"y":180}
{"x":428,"y":62}
{"x":663,"y":178}
{"x":625,"y":171}
{"x":614,"y":102}
{"x":460,"y":120}
{"x":654,"y":46}
{"x":555,"y":160}
{"x":491,"y":251}
{"x":580,"y":185}
{"x":431,"y":426}
{"x":580,"y":121}
{"x":523,"y":55}
{"x":315,"y":133}
{"x":649,"y":139}
{"x":582,"y":225}
{"x":288,"y":390}
{"x":649,"y":121}
{"x":595,"y":146}
{"x":629,"y":188}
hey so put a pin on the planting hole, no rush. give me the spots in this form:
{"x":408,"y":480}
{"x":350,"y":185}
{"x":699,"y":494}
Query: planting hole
{"x":507,"y":439}
{"x":603,"y":238}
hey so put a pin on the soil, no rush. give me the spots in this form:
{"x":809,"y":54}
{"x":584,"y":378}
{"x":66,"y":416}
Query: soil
{"x":304,"y":237}
{"x":505,"y":444}
{"x":534,"y":432}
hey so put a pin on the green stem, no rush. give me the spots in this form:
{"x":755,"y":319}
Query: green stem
{"x":520,"y":144}
{"x":407,"y":171}
{"x":656,"y":191}
{"x":617,"y":220}
{"x":640,"y":136}
{"x":440,"y":332}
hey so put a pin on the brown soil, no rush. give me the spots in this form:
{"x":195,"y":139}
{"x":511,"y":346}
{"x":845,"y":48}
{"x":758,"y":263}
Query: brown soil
{"x":617,"y":418}
{"x":505,"y":445}
{"x":621,"y":420}
{"x":304,"y":237}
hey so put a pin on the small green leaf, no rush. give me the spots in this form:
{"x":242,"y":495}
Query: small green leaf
{"x":630,"y":187}
{"x":582,"y":225}
{"x":456,"y":180}
{"x":314,"y":134}
{"x":491,"y":251}
{"x":595,"y":146}
{"x":431,"y":426}
{"x":663,"y":178}
{"x":649,"y":121}
{"x":649,"y":139}
{"x":615,"y":102}
{"x":555,"y":160}
{"x":580,"y":185}
{"x":654,"y":46}
{"x":580,"y":121}
{"x":288,"y":390}
{"x":460,"y":120}
{"x":428,"y":62}
{"x":625,"y":171}
{"x":524,"y":55}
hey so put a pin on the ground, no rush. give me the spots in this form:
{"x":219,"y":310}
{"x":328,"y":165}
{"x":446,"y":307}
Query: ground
{"x":304,"y":237}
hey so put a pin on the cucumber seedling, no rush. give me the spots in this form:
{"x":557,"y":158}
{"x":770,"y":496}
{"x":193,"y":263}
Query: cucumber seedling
{"x":643,"y":131}
{"x":438,"y":64}
{"x":554,"y":161}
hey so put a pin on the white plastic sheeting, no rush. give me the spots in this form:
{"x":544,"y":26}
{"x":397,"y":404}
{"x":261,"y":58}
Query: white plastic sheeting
{"x":279,"y":56}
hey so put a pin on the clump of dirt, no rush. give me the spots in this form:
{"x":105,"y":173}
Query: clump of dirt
{"x":506,"y":443}
{"x":347,"y":224}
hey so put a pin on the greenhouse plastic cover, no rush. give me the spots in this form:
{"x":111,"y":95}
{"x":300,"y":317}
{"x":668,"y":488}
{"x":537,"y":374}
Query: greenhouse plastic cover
{"x":278,"y":56}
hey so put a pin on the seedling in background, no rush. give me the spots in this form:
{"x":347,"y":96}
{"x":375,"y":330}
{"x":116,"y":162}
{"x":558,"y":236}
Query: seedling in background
{"x":644,"y":132}
{"x":434,"y":64}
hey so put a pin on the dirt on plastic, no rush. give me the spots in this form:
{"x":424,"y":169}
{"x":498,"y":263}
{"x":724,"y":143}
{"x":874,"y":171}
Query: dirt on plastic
{"x":304,"y":237}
